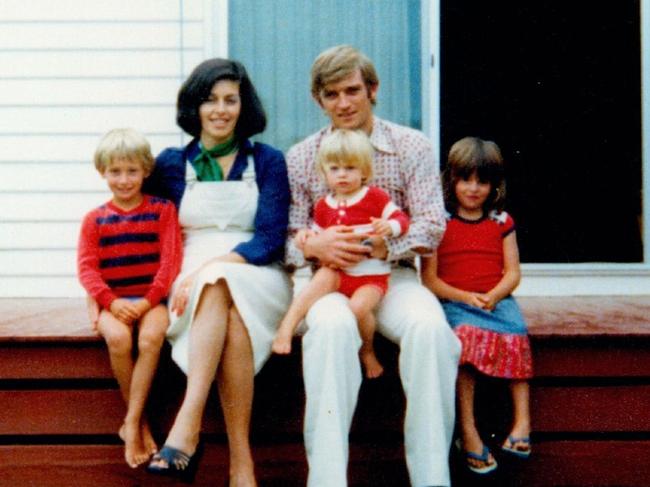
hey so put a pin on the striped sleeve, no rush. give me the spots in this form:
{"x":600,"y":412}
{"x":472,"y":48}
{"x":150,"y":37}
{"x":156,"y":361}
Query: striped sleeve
{"x":171,"y":252}
{"x":88,"y":263}
{"x":398,"y":219}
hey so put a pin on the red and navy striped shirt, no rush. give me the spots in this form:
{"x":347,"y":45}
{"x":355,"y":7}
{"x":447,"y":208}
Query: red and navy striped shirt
{"x":130,"y":253}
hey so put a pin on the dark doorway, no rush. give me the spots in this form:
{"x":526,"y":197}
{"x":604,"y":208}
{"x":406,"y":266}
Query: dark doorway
{"x":557,"y":85}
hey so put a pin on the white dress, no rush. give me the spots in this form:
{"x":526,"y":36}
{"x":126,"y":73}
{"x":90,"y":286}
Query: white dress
{"x":215,"y":217}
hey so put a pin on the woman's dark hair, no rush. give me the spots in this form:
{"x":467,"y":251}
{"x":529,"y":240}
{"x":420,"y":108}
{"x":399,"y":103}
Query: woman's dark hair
{"x":473,"y":155}
{"x":197,"y":88}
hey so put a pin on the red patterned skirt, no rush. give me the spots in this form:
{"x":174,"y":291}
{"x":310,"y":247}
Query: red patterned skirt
{"x":495,"y":354}
{"x":494,"y":342}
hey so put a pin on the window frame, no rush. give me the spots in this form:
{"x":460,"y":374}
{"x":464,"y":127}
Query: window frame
{"x":556,"y":279}
{"x":538,"y":279}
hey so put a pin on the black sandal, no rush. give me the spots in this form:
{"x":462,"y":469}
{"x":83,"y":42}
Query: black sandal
{"x":178,"y":463}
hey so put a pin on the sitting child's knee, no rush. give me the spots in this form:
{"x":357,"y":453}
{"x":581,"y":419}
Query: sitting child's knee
{"x":119,"y":341}
{"x":358,"y":311}
{"x":151,"y":340}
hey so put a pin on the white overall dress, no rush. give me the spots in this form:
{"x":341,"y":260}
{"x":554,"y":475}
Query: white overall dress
{"x":215,"y":217}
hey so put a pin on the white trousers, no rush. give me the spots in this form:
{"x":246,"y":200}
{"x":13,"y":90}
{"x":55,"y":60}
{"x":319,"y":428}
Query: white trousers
{"x":410,"y":316}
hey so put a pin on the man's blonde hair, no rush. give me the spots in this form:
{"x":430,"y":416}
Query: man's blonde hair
{"x":339,"y":62}
{"x":123,"y":143}
{"x":349,"y":147}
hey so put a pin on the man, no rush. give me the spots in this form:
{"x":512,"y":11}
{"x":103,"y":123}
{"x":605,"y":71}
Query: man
{"x":345,"y":84}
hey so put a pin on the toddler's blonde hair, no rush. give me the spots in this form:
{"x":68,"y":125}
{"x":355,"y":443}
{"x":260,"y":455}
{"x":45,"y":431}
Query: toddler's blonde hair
{"x":350,"y":147}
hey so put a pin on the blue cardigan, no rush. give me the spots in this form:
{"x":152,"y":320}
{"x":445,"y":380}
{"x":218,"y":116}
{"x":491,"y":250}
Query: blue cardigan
{"x":272,"y":217}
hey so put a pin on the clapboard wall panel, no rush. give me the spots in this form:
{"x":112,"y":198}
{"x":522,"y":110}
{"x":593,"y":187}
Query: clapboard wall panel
{"x":64,"y":147}
{"x":149,"y":64}
{"x":92,"y":10}
{"x":84,"y":92}
{"x":72,"y":70}
{"x":86,"y":119}
{"x":54,"y":207}
{"x":32,"y":176}
{"x":95,"y":35}
{"x":39,"y":235}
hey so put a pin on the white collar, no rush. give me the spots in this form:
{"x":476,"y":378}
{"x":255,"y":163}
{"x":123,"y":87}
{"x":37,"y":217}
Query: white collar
{"x":352,"y":200}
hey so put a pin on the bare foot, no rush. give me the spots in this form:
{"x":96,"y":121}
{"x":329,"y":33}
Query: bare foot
{"x":243,"y":476}
{"x":243,"y":479}
{"x":281,"y":344}
{"x":369,"y":360}
{"x":147,"y":438}
{"x":135,"y":453}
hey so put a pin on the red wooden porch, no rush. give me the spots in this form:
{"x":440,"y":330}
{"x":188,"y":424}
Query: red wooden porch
{"x":590,"y":401}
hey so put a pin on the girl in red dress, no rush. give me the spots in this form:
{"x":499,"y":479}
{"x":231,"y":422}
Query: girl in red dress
{"x":473,"y":272}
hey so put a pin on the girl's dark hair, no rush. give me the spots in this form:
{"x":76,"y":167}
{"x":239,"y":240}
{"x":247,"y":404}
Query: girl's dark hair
{"x":197,"y":88}
{"x":470,"y":155}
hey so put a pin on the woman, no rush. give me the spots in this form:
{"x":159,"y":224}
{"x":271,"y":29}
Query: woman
{"x":233,"y":199}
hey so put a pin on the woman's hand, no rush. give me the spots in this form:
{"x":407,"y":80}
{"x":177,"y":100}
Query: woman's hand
{"x":182,"y":294}
{"x":124,"y":310}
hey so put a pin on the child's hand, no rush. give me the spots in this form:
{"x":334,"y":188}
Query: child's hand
{"x":282,"y":343}
{"x":124,"y":310}
{"x":489,"y":301}
{"x":381,"y":227}
{"x":142,"y":306}
{"x":475,"y":299}
{"x":92,"y":307}
{"x":301,"y":237}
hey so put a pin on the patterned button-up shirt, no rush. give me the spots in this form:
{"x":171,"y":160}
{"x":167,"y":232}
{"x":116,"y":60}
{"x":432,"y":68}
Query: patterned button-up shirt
{"x":403,"y":165}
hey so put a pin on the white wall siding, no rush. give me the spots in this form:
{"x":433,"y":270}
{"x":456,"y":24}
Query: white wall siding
{"x":72,"y":70}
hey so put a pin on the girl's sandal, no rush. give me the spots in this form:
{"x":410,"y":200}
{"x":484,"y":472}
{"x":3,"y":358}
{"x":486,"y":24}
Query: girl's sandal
{"x":484,"y":458}
{"x":519,"y":447}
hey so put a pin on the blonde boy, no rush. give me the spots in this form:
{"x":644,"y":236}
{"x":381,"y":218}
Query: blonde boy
{"x":128,"y":256}
{"x":345,"y":161}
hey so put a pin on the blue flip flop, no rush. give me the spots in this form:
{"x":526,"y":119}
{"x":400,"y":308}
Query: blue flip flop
{"x":512,"y":450}
{"x":483,"y":457}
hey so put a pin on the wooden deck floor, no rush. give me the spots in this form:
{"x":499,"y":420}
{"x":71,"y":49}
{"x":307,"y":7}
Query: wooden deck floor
{"x":590,"y":403}
{"x":21,"y":319}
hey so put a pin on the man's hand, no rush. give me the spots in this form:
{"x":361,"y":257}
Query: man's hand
{"x":378,"y":246}
{"x":301,"y":237}
{"x":336,"y":247}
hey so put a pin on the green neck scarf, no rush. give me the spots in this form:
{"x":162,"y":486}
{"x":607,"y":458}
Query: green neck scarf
{"x":205,"y":164}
